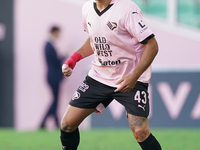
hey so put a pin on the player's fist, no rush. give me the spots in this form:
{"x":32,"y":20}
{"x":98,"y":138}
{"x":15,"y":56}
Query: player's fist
{"x":66,"y":70}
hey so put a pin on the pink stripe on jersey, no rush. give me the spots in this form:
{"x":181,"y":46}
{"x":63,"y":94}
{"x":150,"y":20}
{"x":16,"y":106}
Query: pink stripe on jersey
{"x":116,"y":35}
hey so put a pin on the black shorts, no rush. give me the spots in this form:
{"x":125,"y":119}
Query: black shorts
{"x":93,"y":94}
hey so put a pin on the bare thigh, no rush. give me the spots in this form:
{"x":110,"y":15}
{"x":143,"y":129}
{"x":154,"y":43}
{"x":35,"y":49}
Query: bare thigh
{"x":73,"y":117}
{"x":139,"y":126}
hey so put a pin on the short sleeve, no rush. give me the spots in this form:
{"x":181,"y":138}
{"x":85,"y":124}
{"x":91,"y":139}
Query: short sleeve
{"x":137,"y":27}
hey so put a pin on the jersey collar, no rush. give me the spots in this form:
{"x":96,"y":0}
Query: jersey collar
{"x":103,"y":11}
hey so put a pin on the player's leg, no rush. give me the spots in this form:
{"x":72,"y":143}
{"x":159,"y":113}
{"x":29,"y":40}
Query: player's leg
{"x":69,"y":126}
{"x":90,"y":96}
{"x":73,"y":117}
{"x":136,"y":103}
{"x":140,"y":128}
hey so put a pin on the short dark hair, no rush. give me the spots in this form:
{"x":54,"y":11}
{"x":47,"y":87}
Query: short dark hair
{"x":54,"y":29}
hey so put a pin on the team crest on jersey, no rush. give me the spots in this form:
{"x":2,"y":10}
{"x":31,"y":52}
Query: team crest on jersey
{"x":112,"y":25}
{"x":76,"y":95}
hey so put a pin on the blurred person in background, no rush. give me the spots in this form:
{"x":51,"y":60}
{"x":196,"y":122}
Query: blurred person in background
{"x":54,"y":74}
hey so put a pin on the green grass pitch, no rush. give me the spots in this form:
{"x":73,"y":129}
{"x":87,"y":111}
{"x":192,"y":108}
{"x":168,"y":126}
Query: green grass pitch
{"x":99,"y":139}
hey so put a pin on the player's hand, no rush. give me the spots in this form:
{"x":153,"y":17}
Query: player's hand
{"x":66,"y":70}
{"x":127,"y":83}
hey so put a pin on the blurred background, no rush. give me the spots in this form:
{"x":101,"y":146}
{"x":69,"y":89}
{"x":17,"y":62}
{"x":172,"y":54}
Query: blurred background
{"x":25,"y":95}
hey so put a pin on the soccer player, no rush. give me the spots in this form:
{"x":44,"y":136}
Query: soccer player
{"x":124,"y":48}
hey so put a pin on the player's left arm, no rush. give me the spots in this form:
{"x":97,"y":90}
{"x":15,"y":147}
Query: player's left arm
{"x":129,"y":81}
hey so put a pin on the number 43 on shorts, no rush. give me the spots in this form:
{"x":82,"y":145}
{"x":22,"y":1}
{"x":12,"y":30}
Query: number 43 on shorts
{"x":141,"y":97}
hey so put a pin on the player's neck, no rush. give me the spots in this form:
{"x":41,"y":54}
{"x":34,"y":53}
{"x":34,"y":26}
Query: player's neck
{"x":102,"y":4}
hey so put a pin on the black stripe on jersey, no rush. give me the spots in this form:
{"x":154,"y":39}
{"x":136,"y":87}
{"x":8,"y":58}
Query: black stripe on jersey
{"x":148,"y":38}
{"x":101,"y":12}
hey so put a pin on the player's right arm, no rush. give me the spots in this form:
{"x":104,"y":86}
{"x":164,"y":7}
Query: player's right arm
{"x":84,"y":51}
